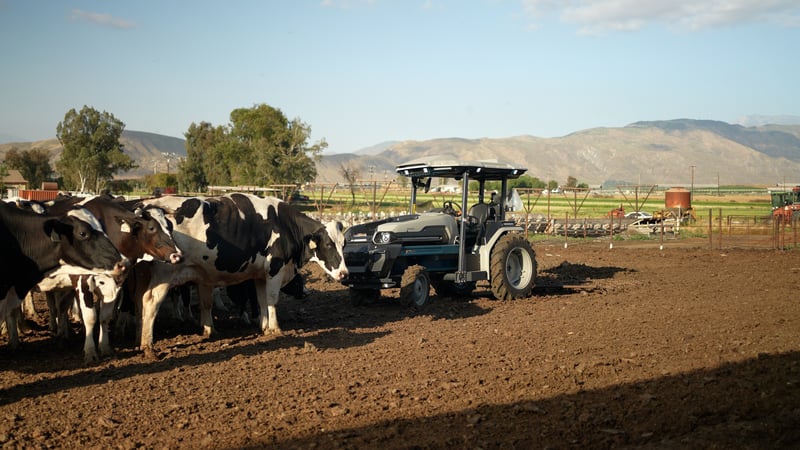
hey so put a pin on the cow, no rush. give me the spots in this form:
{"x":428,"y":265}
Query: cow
{"x":32,"y":244}
{"x":140,"y":233}
{"x":136,"y":233}
{"x":95,"y":296}
{"x":230,"y":239}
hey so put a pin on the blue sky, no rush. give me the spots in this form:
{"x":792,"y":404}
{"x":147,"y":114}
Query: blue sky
{"x":361,"y":72}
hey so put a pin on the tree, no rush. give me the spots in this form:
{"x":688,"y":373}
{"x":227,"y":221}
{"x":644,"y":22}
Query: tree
{"x":200,"y":168}
{"x":260,"y":146}
{"x":92,"y":152}
{"x":33,"y":164}
{"x":270,"y":149}
{"x":350,"y":175}
{"x":3,"y":175}
{"x":526,"y":181}
{"x":571,"y":182}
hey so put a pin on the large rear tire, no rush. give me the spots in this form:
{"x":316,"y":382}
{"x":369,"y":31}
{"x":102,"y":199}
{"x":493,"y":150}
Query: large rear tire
{"x":513,"y":267}
{"x":415,"y":287}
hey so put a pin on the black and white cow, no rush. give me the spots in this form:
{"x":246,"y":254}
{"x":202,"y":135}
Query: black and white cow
{"x":230,"y":239}
{"x":95,"y":296}
{"x":31,"y":245}
{"x":140,"y":233}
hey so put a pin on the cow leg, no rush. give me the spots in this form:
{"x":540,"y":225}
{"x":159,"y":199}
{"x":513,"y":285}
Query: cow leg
{"x":205,"y":295}
{"x":268,"y":294}
{"x":106,"y":313}
{"x":63,"y":305}
{"x":89,"y":316}
{"x":58,"y":303}
{"x":52,"y":323}
{"x":28,"y":313}
{"x":151,"y":301}
{"x":11,"y":328}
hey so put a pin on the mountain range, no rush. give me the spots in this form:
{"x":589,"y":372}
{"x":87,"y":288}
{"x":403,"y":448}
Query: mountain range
{"x":667,"y":152}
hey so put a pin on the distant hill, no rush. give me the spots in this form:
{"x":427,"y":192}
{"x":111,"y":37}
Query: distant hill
{"x":145,"y":148}
{"x":652,"y":152}
{"x":659,"y":152}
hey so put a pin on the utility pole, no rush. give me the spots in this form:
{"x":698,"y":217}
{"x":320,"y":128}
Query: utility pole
{"x":691,"y":189}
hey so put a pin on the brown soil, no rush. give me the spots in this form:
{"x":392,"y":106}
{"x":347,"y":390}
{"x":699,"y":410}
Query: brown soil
{"x":623,"y":347}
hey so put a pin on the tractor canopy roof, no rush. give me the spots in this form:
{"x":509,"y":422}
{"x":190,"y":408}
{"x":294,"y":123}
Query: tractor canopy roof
{"x":450,"y":167}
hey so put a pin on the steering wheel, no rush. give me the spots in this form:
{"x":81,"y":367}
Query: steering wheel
{"x":454,"y":209}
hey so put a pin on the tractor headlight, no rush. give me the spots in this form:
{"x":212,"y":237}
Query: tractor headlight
{"x":383,"y":238}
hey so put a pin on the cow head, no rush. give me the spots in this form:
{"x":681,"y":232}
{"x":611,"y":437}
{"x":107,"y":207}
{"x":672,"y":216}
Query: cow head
{"x":325,"y":247}
{"x":81,"y":242}
{"x":154,"y":232}
{"x":95,"y":287}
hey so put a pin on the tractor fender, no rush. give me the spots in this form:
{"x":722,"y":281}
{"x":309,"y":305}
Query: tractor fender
{"x":485,"y":252}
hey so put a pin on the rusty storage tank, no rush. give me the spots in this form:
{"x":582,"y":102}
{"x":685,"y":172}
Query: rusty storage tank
{"x":678,"y":197}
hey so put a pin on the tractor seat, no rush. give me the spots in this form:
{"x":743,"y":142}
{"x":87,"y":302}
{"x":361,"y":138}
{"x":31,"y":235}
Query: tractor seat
{"x":480,"y":211}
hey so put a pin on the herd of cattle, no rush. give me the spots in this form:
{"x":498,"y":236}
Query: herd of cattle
{"x":101,"y":248}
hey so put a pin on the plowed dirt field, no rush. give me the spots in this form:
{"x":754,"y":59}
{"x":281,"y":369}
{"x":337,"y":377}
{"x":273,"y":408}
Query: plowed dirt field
{"x":624,"y":347}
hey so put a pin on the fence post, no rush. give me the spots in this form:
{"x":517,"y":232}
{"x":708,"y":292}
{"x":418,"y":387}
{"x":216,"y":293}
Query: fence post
{"x":720,"y":228}
{"x":611,"y":231}
{"x":710,"y":228}
{"x":774,"y":222}
{"x":566,"y":228}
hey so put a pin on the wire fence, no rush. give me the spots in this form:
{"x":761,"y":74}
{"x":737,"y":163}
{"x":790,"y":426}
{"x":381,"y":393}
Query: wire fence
{"x":719,"y":230}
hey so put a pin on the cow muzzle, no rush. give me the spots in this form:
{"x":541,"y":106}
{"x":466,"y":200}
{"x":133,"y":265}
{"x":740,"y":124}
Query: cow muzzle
{"x":175,"y":258}
{"x":339,"y":274}
{"x":121,"y":269}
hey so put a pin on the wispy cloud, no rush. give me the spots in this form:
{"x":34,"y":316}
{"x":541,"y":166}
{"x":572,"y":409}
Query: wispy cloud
{"x":599,"y":16}
{"x":101,"y":19}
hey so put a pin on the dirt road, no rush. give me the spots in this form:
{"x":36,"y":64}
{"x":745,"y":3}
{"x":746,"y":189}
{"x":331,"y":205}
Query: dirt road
{"x":623,"y":347}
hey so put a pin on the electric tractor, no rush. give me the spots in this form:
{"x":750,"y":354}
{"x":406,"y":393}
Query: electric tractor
{"x":449,"y":248}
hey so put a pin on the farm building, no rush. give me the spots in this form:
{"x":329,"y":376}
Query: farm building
{"x":14,"y":182}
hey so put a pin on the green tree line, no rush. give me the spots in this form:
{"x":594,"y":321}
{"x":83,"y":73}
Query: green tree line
{"x":260,"y":146}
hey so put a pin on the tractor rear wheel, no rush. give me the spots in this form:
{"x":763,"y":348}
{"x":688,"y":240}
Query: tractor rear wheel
{"x":513,"y":267}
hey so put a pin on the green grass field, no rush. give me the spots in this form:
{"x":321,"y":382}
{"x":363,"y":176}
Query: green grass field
{"x":750,"y":202}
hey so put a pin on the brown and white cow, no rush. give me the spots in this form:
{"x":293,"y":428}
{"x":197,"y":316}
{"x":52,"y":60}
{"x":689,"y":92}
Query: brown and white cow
{"x":32,"y":244}
{"x":137,"y":233}
{"x":230,"y":239}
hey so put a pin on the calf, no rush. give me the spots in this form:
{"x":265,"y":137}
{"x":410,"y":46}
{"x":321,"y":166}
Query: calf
{"x":95,"y":295}
{"x":231,"y":239}
{"x":31,"y":245}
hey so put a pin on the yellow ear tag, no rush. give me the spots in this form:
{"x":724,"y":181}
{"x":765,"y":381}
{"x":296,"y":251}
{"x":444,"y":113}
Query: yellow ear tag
{"x":125,"y":228}
{"x":312,"y":245}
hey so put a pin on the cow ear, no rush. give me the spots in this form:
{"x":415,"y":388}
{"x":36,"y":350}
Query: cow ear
{"x":55,"y":228}
{"x":310,"y":242}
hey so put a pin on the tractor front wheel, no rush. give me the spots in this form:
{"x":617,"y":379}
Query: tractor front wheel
{"x":415,"y":287}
